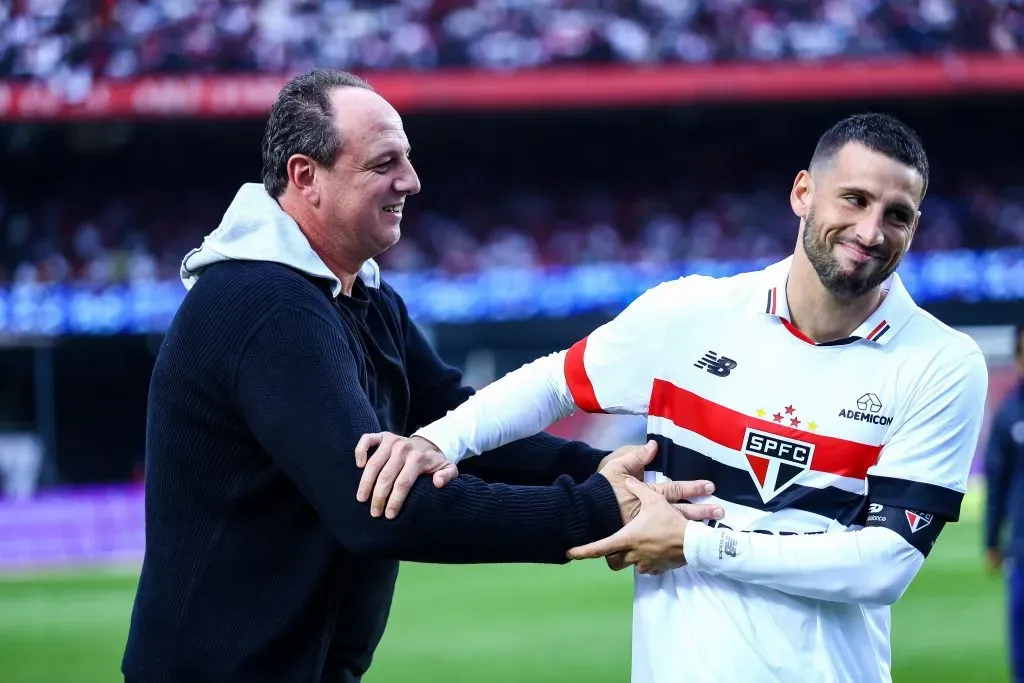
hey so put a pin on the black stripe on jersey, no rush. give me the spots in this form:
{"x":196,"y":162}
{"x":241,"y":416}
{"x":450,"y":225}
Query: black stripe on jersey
{"x":881,"y":332}
{"x":919,"y":529}
{"x":768,"y":308}
{"x":737,"y":486}
{"x":916,"y":495}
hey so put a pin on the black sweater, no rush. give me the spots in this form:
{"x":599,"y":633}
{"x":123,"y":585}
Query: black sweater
{"x":260,"y":563}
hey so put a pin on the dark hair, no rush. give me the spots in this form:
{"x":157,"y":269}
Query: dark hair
{"x":878,"y":132}
{"x":302,"y":122}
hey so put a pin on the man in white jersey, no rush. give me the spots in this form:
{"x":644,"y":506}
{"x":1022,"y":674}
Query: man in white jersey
{"x":835,"y":417}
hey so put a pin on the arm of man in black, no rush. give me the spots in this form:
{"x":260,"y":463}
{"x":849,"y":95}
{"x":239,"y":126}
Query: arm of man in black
{"x":436,"y":388}
{"x":299,"y":392}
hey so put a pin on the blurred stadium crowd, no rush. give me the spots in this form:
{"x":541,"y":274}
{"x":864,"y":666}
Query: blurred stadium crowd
{"x":106,"y":238}
{"x":78,"y":41}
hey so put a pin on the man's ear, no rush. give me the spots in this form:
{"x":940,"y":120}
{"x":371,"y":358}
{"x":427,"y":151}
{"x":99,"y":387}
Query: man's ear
{"x":302,"y":175}
{"x":800,"y":195}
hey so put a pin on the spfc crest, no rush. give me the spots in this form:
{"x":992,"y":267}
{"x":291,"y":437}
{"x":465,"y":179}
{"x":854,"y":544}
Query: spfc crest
{"x":918,"y":520}
{"x":775,"y":462}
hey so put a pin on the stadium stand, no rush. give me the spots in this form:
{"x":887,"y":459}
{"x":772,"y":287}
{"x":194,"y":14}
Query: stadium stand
{"x":102,"y":238}
{"x":116,"y":39}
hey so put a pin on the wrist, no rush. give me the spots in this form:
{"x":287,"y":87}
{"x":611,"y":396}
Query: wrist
{"x":424,"y":444}
{"x":435,"y":437}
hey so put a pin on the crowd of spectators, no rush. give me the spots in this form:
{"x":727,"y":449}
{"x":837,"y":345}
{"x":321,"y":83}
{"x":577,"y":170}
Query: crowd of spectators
{"x":106,"y":239}
{"x":78,"y":41}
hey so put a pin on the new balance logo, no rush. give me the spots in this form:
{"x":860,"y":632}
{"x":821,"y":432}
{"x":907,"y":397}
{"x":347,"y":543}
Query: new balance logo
{"x":717,"y":365}
{"x":726,"y":546}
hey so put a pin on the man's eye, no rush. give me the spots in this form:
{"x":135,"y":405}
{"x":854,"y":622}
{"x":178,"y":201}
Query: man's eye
{"x":854,"y":200}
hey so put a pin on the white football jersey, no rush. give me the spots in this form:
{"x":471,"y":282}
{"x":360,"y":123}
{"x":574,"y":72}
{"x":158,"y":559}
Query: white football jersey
{"x":799,"y":438}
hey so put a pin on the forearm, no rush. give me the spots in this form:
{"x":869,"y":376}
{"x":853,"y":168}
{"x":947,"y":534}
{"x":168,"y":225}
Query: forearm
{"x":535,"y":461}
{"x":870,"y":566}
{"x":470,"y":521}
{"x":298,"y":390}
{"x":518,"y":405}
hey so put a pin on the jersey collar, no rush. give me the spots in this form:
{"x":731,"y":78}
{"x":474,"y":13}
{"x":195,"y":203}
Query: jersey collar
{"x":880,"y":327}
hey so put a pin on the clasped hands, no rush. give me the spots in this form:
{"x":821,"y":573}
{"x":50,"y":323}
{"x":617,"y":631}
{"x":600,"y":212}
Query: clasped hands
{"x":654,"y":516}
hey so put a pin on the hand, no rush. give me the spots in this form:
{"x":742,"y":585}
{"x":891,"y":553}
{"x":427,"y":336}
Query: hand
{"x":630,"y":461}
{"x":626,"y":462}
{"x":994,"y":560}
{"x":675,"y":491}
{"x":394,"y":468}
{"x":653,"y":540}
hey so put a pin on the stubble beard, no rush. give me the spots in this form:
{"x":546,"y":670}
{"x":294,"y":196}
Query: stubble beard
{"x":826,"y":264}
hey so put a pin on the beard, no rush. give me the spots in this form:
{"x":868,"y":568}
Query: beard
{"x":846,"y":285}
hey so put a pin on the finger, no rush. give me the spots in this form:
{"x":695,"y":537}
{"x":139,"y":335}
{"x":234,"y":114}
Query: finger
{"x":617,"y":542}
{"x":698,"y":513}
{"x":415,"y":465}
{"x":386,"y":480}
{"x":639,"y":457}
{"x":616,"y":562}
{"x":366,"y":442}
{"x":676,"y":491}
{"x":373,"y":467}
{"x":648,"y":452}
{"x":445,"y":475}
{"x":642,"y":491}
{"x":632,"y":557}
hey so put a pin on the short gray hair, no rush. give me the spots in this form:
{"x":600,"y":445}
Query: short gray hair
{"x":302,"y":122}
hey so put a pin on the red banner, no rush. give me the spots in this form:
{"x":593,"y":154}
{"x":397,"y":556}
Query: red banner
{"x":251,"y":96}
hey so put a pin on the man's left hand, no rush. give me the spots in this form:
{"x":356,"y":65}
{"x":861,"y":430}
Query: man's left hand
{"x":653,"y":541}
{"x":395,"y":466}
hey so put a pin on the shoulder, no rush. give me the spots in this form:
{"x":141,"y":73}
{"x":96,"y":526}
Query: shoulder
{"x":233,"y":298}
{"x":695,"y":293}
{"x":244,"y":281}
{"x":1010,"y":410}
{"x":939,"y":349}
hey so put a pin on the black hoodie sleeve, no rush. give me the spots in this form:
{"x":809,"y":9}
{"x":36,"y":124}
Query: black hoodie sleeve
{"x":297,"y":388}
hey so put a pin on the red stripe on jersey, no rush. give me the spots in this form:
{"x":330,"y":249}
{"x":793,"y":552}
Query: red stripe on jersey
{"x":727,"y":428}
{"x":878,"y":328}
{"x":797,"y":333}
{"x":576,"y":377}
{"x":773,"y":300}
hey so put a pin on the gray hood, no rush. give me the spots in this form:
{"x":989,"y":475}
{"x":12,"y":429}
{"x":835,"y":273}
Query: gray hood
{"x":256,"y":228}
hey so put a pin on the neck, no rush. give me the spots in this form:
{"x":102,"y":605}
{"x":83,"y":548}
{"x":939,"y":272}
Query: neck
{"x":342,"y":268}
{"x":345,"y":271}
{"x":817,"y":312}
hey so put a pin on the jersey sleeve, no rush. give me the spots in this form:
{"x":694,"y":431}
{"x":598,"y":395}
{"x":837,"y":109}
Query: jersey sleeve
{"x":612,"y":369}
{"x":925,"y":465}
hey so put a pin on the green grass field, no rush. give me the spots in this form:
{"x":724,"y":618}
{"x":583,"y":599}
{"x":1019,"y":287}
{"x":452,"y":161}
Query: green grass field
{"x":507,"y":623}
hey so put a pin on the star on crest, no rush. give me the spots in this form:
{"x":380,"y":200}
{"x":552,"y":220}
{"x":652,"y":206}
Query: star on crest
{"x":788,"y":417}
